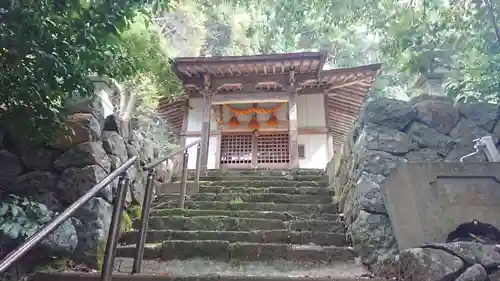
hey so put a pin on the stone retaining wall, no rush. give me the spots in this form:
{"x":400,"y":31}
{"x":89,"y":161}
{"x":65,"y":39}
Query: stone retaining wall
{"x":58,"y":174}
{"x":457,"y":261}
{"x":426,"y":129}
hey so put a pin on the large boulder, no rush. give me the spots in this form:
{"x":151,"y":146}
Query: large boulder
{"x":10,"y":168}
{"x":63,"y":241}
{"x":80,"y":127}
{"x":137,"y":190}
{"x":487,"y":256}
{"x":84,"y":154}
{"x":95,"y":218}
{"x":424,"y":155}
{"x":377,"y":162}
{"x":114,"y":144}
{"x":366,"y":196}
{"x":39,"y":158}
{"x":427,"y":264}
{"x":112,"y":124}
{"x":474,"y":273}
{"x":395,"y":114}
{"x":377,"y":137}
{"x":75,"y":182}
{"x":372,"y":236}
{"x":427,"y":137}
{"x":466,"y":131}
{"x":98,"y":104}
{"x":458,"y":261}
{"x":60,"y":243}
{"x":132,"y":150}
{"x":438,"y":114}
{"x":483,"y":114}
{"x":40,"y":186}
{"x":147,"y":152}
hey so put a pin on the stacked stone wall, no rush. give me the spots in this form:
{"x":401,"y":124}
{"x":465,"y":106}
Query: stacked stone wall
{"x":426,"y":129}
{"x":59,"y":173}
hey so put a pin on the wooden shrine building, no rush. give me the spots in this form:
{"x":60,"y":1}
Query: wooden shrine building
{"x":266,"y":111}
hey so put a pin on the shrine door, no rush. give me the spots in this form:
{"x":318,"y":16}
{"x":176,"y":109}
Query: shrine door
{"x":255,"y":150}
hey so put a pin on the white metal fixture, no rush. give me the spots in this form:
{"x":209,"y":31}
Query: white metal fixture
{"x":487,"y":146}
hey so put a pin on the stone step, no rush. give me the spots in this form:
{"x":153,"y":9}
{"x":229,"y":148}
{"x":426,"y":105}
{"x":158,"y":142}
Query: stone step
{"x":164,"y":197}
{"x":253,"y":206}
{"x":260,"y":236}
{"x":264,"y":183}
{"x":243,"y":251}
{"x":263,"y":197}
{"x":160,"y":271}
{"x":281,"y":189}
{"x":260,"y":172}
{"x":244,"y":214}
{"x":267,"y":177}
{"x":239,"y":224}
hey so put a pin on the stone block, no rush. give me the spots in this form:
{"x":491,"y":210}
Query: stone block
{"x":80,"y":127}
{"x":426,"y":201}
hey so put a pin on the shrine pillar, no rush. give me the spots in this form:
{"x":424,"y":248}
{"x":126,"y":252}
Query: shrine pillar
{"x":293,"y":130}
{"x":205,"y":127}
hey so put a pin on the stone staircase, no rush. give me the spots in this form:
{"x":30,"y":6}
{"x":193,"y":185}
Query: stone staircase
{"x":258,"y":224}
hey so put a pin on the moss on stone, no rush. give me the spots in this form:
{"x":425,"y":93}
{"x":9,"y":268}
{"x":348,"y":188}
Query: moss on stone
{"x":53,"y":265}
{"x":218,"y":250}
{"x":100,"y":252}
{"x":126,"y":224}
{"x":236,"y":200}
{"x":169,"y":212}
{"x":134,"y":211}
{"x":344,"y":192}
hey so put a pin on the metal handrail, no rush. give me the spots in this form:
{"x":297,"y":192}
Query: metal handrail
{"x":148,"y":196}
{"x":114,"y":230}
{"x":118,"y":207}
{"x":172,"y":154}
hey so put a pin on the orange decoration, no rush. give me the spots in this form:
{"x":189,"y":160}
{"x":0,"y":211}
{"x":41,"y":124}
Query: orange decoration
{"x":250,"y":110}
{"x":273,"y":120}
{"x":254,"y":124}
{"x":233,"y":123}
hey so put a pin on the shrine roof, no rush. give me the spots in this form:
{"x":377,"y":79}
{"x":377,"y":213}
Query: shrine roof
{"x":306,"y":62}
{"x":344,"y":89}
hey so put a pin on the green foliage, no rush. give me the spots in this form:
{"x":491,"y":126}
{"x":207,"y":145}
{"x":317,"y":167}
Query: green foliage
{"x":404,"y":35}
{"x":143,"y":46}
{"x":20,"y":217}
{"x":460,"y":32}
{"x":134,"y":211}
{"x":126,"y":224}
{"x":236,"y":200}
{"x":48,"y":49}
{"x":100,"y":252}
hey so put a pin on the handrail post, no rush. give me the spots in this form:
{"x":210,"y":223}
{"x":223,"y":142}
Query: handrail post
{"x":114,"y":229}
{"x":36,"y":238}
{"x":198,"y":167}
{"x":146,"y":206}
{"x":184,"y":178}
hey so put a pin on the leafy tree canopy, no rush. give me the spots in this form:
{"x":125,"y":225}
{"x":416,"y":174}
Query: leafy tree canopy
{"x":49,"y":48}
{"x":407,"y":36}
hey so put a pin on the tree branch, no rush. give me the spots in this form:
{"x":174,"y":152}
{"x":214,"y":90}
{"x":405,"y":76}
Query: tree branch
{"x":489,"y":7}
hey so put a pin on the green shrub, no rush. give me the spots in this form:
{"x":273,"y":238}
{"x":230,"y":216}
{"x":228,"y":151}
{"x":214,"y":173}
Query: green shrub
{"x":20,"y":217}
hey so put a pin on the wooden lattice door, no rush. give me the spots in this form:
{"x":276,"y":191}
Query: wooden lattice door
{"x":262,"y":150}
{"x":236,"y":151}
{"x":273,"y":150}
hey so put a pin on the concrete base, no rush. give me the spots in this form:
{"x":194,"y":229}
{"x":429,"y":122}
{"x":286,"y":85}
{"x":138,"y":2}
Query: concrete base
{"x":426,"y":201}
